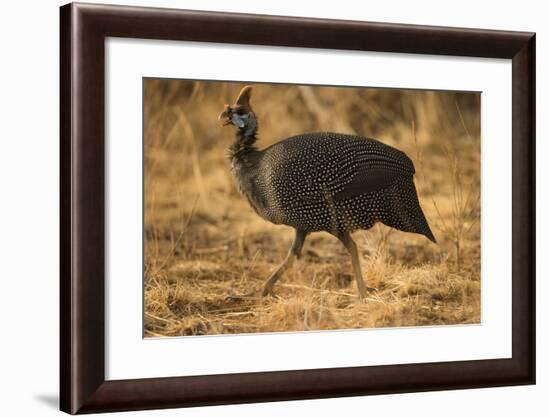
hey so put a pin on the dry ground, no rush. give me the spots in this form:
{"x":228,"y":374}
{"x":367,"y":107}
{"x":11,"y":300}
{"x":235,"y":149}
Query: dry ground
{"x":203,"y":243}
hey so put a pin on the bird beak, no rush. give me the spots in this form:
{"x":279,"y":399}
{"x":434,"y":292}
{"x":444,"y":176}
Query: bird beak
{"x":225,"y":116}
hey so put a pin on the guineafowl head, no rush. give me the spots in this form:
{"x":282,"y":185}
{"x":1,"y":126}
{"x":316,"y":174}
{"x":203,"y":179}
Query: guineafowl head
{"x":240,"y":114}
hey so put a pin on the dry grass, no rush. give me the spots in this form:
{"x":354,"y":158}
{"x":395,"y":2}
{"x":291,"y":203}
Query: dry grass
{"x":204,"y":243}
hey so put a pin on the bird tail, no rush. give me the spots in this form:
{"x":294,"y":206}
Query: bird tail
{"x":407,"y":211}
{"x":425,"y":229}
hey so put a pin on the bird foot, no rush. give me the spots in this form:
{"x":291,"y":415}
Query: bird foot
{"x":268,"y":292}
{"x":367,"y":290}
{"x":253,"y":295}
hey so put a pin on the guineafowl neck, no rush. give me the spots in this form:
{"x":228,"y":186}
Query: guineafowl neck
{"x":244,"y":157}
{"x":244,"y":144}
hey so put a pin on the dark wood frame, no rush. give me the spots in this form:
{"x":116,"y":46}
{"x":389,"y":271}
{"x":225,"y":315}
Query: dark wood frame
{"x":84,"y":29}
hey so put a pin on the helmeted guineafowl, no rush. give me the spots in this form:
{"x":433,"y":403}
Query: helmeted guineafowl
{"x":323,"y":182}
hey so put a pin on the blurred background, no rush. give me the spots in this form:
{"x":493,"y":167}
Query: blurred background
{"x":203,"y":243}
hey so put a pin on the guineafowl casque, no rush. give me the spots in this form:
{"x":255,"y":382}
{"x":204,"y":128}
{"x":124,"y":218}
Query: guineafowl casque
{"x":330,"y":182}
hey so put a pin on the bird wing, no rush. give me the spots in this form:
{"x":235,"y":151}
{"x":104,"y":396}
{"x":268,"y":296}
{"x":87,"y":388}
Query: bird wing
{"x":374,"y":171}
{"x":333,"y":166}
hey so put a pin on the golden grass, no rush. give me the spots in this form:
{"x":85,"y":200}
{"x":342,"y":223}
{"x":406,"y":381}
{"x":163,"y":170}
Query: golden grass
{"x":203,"y":243}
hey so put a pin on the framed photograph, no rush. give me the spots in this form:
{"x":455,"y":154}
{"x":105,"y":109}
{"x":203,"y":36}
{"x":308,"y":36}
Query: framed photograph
{"x":263,"y":208}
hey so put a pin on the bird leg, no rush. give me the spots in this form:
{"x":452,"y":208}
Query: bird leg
{"x":293,"y":254}
{"x":352,"y":249}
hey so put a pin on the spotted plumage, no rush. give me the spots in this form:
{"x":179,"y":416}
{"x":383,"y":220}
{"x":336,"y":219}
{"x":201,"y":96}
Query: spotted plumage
{"x":323,"y":182}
